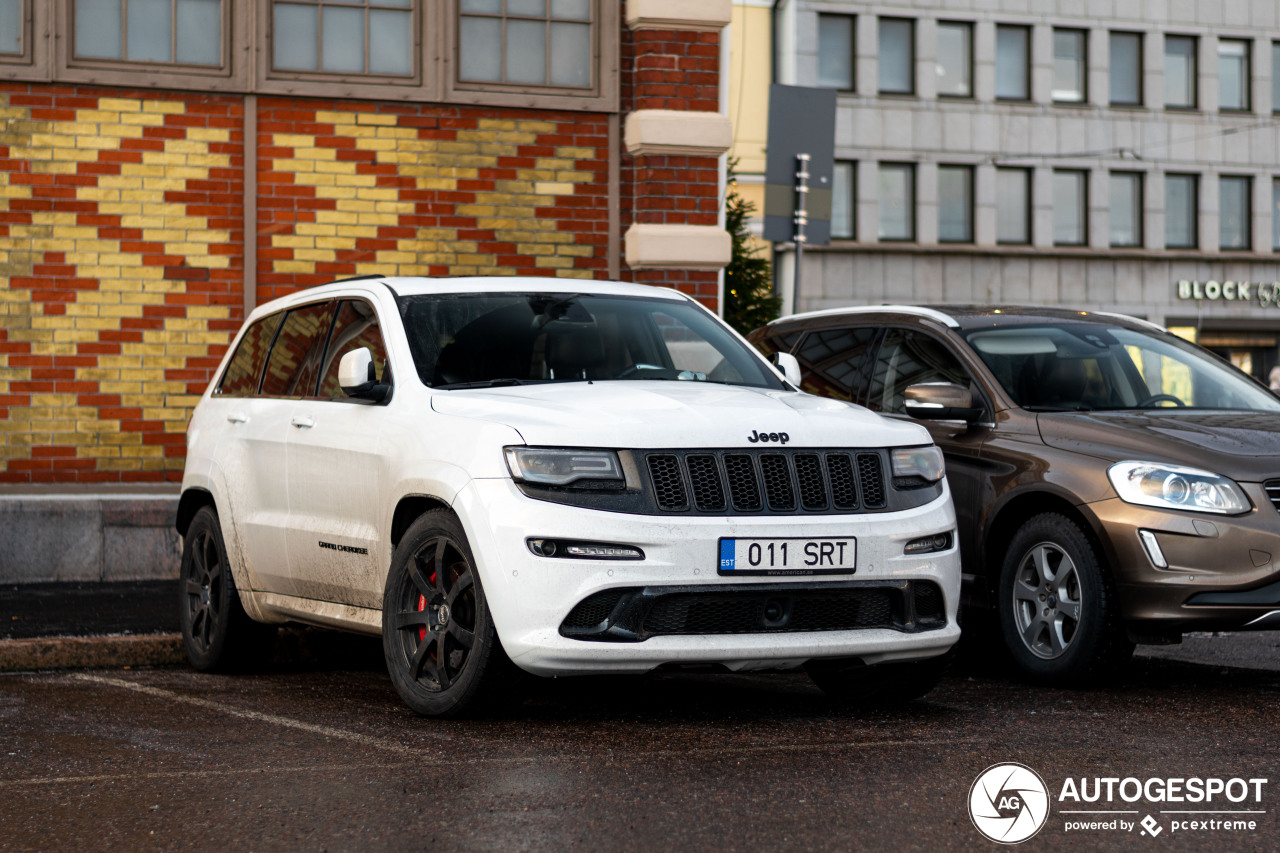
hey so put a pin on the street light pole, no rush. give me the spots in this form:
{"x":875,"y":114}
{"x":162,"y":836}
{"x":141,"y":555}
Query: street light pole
{"x":801,"y":219}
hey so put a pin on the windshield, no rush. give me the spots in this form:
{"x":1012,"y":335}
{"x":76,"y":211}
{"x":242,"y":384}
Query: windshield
{"x":489,"y":339}
{"x":1084,"y":367}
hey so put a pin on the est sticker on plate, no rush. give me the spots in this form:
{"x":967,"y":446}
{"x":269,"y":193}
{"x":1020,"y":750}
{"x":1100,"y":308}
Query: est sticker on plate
{"x":787,"y":556}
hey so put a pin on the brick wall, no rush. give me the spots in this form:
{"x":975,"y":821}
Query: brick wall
{"x":671,"y":70}
{"x":121,"y":249}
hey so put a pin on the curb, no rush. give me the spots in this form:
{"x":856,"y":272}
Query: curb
{"x":91,"y":652}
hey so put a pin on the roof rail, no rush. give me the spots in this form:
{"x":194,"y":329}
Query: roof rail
{"x":357,"y":278}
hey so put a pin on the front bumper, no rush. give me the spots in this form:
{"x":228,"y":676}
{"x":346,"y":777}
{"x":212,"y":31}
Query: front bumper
{"x":1223,"y":572}
{"x":531,"y":596}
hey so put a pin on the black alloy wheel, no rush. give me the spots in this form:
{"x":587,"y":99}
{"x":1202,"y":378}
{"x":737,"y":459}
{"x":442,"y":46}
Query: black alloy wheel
{"x":438,"y":638}
{"x":216,"y":632}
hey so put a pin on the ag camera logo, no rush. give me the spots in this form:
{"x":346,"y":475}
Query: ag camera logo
{"x":1009,"y":803}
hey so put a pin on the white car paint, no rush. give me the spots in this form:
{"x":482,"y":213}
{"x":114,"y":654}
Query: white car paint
{"x":339,"y":470}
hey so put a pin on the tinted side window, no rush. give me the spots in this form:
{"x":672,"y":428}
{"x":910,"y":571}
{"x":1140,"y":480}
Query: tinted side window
{"x":355,"y":326}
{"x":294,"y":366}
{"x":908,"y":358}
{"x":241,"y":378}
{"x":836,"y":362}
{"x":772,"y":343}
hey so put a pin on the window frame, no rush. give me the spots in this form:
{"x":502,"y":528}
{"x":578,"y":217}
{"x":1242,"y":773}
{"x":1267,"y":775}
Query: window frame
{"x":910,"y":23}
{"x":1138,"y":230}
{"x":1028,"y":183}
{"x":1026,"y":65}
{"x":1247,"y":226}
{"x":1139,"y":66}
{"x":1275,"y":77}
{"x":26,"y":56}
{"x":1083,"y":176}
{"x":229,"y":74}
{"x":853,"y":199}
{"x":1083,"y":98}
{"x":1194,"y":180}
{"x":266,"y":49}
{"x":602,"y":94}
{"x":247,"y":63}
{"x":852,"y":22}
{"x":1194,"y":41}
{"x":910,"y":204}
{"x":967,"y":26}
{"x":1246,"y":82}
{"x":970,"y":176}
{"x":1275,"y":214}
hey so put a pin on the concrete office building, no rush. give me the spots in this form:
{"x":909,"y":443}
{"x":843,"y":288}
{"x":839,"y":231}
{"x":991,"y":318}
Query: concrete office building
{"x":1119,"y":156}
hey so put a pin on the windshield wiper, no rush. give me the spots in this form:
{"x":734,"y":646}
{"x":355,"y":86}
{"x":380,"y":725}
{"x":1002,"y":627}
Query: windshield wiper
{"x":1079,"y":407}
{"x":484,"y":383}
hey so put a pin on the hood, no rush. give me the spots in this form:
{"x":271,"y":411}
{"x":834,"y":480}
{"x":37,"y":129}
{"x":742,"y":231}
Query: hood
{"x":1244,"y":446}
{"x":650,"y":414}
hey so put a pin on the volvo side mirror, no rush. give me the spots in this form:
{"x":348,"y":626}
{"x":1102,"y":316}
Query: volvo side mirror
{"x":787,"y":365}
{"x":940,"y":401}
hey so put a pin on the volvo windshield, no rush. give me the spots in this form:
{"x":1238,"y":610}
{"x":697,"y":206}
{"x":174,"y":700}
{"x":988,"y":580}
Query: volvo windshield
{"x":1087,"y":367}
{"x":492,"y":339}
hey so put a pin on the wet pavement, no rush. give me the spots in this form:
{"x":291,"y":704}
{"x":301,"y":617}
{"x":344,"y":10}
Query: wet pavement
{"x":321,"y":755}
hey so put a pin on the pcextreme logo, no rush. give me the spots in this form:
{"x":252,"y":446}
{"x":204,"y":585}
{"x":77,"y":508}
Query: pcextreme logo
{"x":1009,"y":803}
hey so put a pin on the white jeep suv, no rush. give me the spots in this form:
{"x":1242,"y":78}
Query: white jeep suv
{"x":569,"y":477}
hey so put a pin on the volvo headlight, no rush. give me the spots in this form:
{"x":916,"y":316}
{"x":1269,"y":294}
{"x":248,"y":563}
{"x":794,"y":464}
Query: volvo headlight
{"x":925,"y":462}
{"x":1174,"y":487}
{"x":563,"y":467}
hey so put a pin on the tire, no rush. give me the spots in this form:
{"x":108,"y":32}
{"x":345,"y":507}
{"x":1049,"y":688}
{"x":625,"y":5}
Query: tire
{"x":216,"y":632}
{"x":1059,"y":615}
{"x":441,"y":648}
{"x":847,"y":681}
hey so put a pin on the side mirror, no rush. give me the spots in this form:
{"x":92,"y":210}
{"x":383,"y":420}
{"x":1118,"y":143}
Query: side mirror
{"x":787,"y":365}
{"x":940,"y":401}
{"x":356,"y":373}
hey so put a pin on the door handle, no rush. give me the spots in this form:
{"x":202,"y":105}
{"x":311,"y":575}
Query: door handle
{"x":238,"y":417}
{"x":303,"y":423}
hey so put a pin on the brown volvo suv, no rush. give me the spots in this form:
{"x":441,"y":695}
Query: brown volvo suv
{"x":1113,"y":483}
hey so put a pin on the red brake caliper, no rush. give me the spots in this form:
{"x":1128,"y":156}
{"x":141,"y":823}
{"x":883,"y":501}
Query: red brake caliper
{"x":422,"y":605}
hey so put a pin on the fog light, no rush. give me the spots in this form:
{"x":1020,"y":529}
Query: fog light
{"x":583,"y":550}
{"x":929,"y":544}
{"x":1152,"y":545}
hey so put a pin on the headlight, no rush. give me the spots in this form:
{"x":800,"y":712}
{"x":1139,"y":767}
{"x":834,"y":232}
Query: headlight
{"x":923,"y":462}
{"x":1174,"y":487}
{"x":556,"y":467}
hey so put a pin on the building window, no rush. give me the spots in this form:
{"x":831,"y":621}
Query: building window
{"x":1126,"y":208}
{"x":897,"y":56}
{"x":1068,"y":65}
{"x":955,"y":204}
{"x":843,"y":200}
{"x":354,"y":37}
{"x":526,"y":42}
{"x":1013,"y":63}
{"x":897,"y":201}
{"x":835,"y":51}
{"x":1126,"y":69}
{"x":1233,"y":74}
{"x":955,"y":60}
{"x":13,"y":28}
{"x":1275,"y":76}
{"x":175,"y":32}
{"x":1181,"y":210}
{"x":1234,"y":225}
{"x":1275,"y":213}
{"x":1070,"y":206}
{"x":1180,"y":71}
{"x":1013,"y":206}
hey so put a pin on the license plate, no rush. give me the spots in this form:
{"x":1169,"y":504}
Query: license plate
{"x":789,"y":556}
